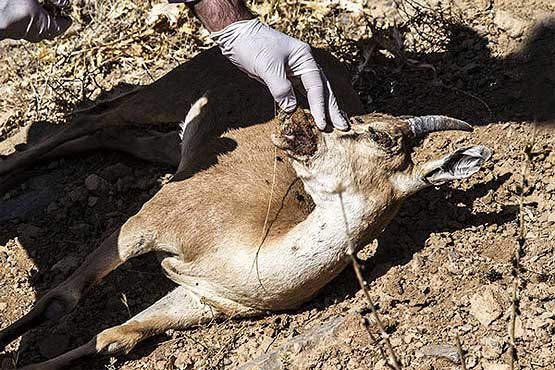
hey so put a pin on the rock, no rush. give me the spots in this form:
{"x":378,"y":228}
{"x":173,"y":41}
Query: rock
{"x":66,"y":264}
{"x":92,"y":182}
{"x":29,"y":231}
{"x":96,"y":184}
{"x":116,"y":171}
{"x":78,"y":195}
{"x":440,"y":350}
{"x":183,"y":361}
{"x":52,"y":207}
{"x":471,"y":361}
{"x":492,"y":348}
{"x":496,"y":366}
{"x":513,"y":25}
{"x":519,"y":329}
{"x":125,"y":183}
{"x":53,"y":345}
{"x":92,"y":201}
{"x":484,"y":306}
{"x":348,"y":332}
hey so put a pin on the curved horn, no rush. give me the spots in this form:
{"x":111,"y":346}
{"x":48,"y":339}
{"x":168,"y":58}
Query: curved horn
{"x":423,"y":125}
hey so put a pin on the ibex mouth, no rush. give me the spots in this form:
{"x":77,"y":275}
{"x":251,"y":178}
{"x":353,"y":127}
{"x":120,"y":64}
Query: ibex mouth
{"x":296,"y":133}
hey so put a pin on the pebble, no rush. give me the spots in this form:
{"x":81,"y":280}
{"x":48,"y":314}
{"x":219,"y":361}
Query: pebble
{"x":92,"y":182}
{"x":485,"y":307}
{"x":66,"y":264}
{"x":92,"y":201}
{"x":440,"y":350}
{"x":28,"y":230}
{"x":52,"y":207}
{"x":96,"y":184}
{"x":116,"y":171}
{"x":496,"y":366}
{"x":492,"y":348}
{"x":513,"y":25}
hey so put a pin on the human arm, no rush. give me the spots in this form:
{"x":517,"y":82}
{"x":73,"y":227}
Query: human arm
{"x":271,"y":57}
{"x":29,"y":20}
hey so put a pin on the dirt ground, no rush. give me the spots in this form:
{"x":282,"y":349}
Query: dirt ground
{"x":443,"y":266}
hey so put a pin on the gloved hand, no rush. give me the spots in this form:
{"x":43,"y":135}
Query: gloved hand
{"x":271,"y":57}
{"x":28,"y":20}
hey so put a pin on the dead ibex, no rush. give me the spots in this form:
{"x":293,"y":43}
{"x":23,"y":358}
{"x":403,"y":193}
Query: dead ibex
{"x":237,"y":243}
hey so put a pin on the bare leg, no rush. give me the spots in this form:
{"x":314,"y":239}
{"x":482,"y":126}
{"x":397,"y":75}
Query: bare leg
{"x":115,"y":250}
{"x":155,"y":147}
{"x":179,"y":309}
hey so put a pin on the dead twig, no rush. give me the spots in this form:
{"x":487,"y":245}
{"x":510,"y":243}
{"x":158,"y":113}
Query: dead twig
{"x":393,"y":359}
{"x":461,"y":352}
{"x":521,"y":241}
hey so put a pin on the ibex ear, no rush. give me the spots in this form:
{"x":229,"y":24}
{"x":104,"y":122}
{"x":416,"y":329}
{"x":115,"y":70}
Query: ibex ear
{"x":461,"y":164}
{"x":297,"y":135}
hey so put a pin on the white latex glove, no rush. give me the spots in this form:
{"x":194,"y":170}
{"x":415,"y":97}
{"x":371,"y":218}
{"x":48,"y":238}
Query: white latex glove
{"x":271,"y":57}
{"x":28,"y":20}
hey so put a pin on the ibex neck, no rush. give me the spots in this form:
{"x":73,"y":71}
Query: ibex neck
{"x":296,"y":265}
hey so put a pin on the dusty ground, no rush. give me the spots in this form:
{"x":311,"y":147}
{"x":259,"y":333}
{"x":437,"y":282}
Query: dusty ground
{"x":443,"y":266}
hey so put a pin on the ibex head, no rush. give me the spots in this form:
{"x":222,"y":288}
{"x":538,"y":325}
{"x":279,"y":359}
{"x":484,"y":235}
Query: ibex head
{"x":375,"y":155}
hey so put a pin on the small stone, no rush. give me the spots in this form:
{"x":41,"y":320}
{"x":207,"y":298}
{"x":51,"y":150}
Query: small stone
{"x":496,"y":366}
{"x":96,"y":184}
{"x":519,"y":330}
{"x":513,"y":25}
{"x":66,"y":264}
{"x":440,"y":350}
{"x":77,"y":195}
{"x":28,"y":230}
{"x":53,"y":345}
{"x":52,"y":207}
{"x":116,"y":171}
{"x":492,"y":348}
{"x":471,"y":361}
{"x":92,"y":182}
{"x":484,"y":306}
{"x":92,"y":201}
{"x":183,"y":361}
{"x":53,"y":165}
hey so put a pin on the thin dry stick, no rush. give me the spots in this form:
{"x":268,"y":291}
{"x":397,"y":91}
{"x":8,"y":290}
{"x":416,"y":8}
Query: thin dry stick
{"x":394,"y":362}
{"x":265,"y":228}
{"x":461,"y":352}
{"x":515,"y":305}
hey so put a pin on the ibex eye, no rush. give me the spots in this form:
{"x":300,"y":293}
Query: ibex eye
{"x":381,"y":138}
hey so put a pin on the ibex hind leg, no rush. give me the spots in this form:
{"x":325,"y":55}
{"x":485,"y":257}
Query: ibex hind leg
{"x":122,"y":245}
{"x":152,"y":146}
{"x":179,"y":309}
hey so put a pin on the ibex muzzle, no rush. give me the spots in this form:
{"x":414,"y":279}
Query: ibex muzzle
{"x":241,"y":245}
